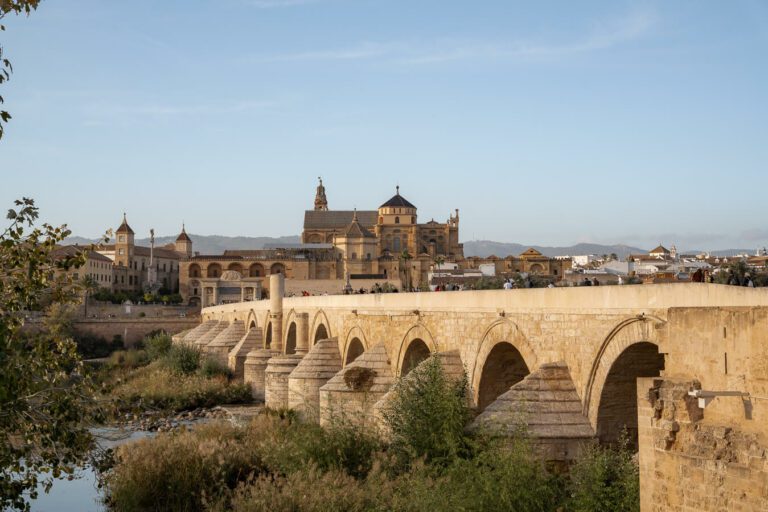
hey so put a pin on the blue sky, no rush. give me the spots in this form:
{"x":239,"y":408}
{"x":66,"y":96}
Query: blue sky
{"x":544,"y":122}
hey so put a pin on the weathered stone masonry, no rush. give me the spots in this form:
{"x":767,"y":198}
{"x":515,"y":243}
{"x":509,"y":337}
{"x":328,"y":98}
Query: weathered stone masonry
{"x":579,"y":363}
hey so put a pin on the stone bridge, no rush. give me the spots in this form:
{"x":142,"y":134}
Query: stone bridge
{"x":683,"y":368}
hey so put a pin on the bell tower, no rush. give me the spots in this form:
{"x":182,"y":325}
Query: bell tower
{"x":124,"y":244}
{"x":321,"y":202}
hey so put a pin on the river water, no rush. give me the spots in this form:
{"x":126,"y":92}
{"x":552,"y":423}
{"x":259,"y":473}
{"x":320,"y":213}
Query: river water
{"x":82,"y":494}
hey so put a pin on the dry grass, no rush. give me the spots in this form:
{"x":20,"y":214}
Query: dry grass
{"x":156,"y":386}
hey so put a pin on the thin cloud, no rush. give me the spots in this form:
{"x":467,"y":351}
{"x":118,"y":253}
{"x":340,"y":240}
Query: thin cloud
{"x":362,"y":51}
{"x":604,"y":36}
{"x":176,"y":110}
{"x":272,"y":4}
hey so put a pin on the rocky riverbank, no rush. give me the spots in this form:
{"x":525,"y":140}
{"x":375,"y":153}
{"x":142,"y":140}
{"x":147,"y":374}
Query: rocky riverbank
{"x":152,"y":421}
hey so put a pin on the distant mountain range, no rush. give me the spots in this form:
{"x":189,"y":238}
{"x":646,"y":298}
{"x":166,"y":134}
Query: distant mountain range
{"x":207,"y":244}
{"x":485,"y":248}
{"x":215,"y":244}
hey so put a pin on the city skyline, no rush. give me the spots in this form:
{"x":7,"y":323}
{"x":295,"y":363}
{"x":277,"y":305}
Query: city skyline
{"x":633,"y":123}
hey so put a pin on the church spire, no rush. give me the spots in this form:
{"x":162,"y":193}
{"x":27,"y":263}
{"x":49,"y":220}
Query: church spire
{"x":321,"y":203}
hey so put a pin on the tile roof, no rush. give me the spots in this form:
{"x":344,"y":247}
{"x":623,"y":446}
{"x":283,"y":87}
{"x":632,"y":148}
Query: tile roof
{"x":139,"y":250}
{"x":355,"y":230}
{"x":183,"y":237}
{"x":124,"y":227}
{"x":397,"y":201}
{"x":71,"y":250}
{"x":338,"y":219}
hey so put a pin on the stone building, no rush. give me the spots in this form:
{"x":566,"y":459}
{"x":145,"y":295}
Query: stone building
{"x":97,"y":267}
{"x":131,"y":262}
{"x":530,"y":262}
{"x":339,"y":246}
{"x":386,"y":242}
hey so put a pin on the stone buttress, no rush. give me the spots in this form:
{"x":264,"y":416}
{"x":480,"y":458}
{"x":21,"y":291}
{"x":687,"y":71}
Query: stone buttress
{"x":547,"y":408}
{"x":320,"y":365}
{"x":352,"y":393}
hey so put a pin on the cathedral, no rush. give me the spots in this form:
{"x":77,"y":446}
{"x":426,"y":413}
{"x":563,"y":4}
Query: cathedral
{"x":369,"y":241}
{"x":349,"y":248}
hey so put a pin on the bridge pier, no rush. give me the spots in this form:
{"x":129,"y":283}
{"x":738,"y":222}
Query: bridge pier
{"x":218,"y":349}
{"x":353,"y":392}
{"x":255,"y":371}
{"x":252,"y":340}
{"x":321,"y":363}
{"x":276,"y":375}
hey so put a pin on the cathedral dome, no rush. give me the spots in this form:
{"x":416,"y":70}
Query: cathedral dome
{"x":398,"y":201}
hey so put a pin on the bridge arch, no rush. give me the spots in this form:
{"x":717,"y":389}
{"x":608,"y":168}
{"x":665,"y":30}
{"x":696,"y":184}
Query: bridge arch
{"x":290,"y":338}
{"x":268,"y":336}
{"x":251,"y":320}
{"x":417,"y":344}
{"x":630,"y":350}
{"x":355,"y":343}
{"x":321,"y":327}
{"x":504,"y":357}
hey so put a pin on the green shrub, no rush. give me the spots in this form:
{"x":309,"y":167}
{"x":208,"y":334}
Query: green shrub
{"x":427,"y":415}
{"x":605,"y":480}
{"x":183,"y":359}
{"x":181,"y":471}
{"x":288,"y":445}
{"x":93,"y":347}
{"x":210,"y":367}
{"x":158,"y":345}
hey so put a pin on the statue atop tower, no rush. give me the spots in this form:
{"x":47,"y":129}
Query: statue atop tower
{"x":321,"y":202}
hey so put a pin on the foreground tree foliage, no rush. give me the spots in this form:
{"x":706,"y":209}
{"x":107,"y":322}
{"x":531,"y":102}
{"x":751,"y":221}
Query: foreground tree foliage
{"x":45,"y":397}
{"x":426,"y":461}
{"x":7,"y":7}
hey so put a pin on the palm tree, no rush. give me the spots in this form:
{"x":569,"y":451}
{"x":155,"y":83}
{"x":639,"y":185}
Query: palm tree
{"x":437,"y":260}
{"x":405,"y":257}
{"x":90,"y":285}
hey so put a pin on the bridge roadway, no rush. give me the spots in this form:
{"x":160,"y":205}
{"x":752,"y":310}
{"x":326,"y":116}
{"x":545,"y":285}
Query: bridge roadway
{"x":629,"y":353}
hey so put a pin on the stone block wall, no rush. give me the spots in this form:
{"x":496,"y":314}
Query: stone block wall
{"x":691,"y":464}
{"x":135,"y":329}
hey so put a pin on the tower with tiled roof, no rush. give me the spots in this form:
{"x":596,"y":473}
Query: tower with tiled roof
{"x":124,"y":244}
{"x":183,"y":243}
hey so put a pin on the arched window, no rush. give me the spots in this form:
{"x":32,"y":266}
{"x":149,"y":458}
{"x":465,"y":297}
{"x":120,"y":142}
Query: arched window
{"x":354,"y":255}
{"x":396,"y":244}
{"x":214,"y":270}
{"x":381,"y":220}
{"x":397,"y":220}
{"x":256,"y":270}
{"x":413,"y":220}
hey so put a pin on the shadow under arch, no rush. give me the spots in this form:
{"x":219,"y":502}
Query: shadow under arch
{"x":321,"y":327}
{"x":268,"y":336}
{"x":320,"y":320}
{"x":415,"y":332}
{"x":641,"y":328}
{"x":290,"y":338}
{"x":252,"y":320}
{"x":617,"y":420}
{"x":355,"y":333}
{"x":516,"y":349}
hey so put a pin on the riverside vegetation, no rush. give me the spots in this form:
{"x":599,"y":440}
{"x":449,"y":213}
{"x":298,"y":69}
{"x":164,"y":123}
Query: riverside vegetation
{"x":427,"y":460}
{"x":49,"y":400}
{"x":167,"y":379}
